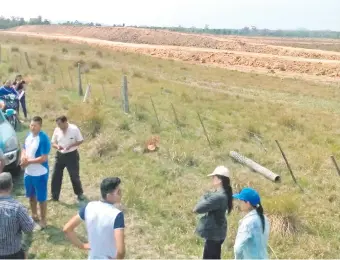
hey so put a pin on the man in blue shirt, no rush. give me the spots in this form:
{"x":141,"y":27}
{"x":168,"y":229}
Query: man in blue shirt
{"x":34,"y":159}
{"x":5,"y":90}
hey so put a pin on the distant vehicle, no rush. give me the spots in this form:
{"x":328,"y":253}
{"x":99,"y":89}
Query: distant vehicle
{"x":10,"y":146}
{"x":12,"y":105}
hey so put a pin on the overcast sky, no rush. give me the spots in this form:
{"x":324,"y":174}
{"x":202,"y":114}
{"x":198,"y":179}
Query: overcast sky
{"x":271,"y":14}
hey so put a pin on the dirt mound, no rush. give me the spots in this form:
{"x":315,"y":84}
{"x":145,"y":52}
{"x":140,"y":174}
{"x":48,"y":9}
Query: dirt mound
{"x":162,"y":37}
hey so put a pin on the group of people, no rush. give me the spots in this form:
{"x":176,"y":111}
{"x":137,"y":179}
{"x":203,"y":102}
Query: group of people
{"x":16,"y":88}
{"x":104,"y":220}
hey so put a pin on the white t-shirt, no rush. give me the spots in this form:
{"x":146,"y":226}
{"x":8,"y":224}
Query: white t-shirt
{"x":101,"y":220}
{"x":67,"y":138}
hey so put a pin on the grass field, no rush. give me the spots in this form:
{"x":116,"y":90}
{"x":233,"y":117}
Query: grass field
{"x":160,"y":189}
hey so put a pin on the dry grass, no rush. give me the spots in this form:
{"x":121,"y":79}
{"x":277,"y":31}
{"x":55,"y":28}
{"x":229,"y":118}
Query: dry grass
{"x":161,"y":188}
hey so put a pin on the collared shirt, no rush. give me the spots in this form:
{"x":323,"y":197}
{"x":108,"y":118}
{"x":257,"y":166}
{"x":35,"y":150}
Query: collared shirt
{"x":36,"y":146}
{"x":101,"y":220}
{"x":67,"y":138}
{"x":14,"y":220}
{"x":251,"y":242}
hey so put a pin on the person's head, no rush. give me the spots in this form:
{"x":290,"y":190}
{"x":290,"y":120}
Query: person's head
{"x":62,"y":122}
{"x":18,"y":78}
{"x":35,"y":125}
{"x":6,"y":183}
{"x":110,"y":190}
{"x":221,"y":179}
{"x":250,"y":200}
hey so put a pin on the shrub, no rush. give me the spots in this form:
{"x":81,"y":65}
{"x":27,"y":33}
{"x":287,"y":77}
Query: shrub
{"x":140,"y":116}
{"x":137,"y":74}
{"x":151,"y":79}
{"x":11,"y":70}
{"x":99,"y":54}
{"x":82,"y":53}
{"x":53,"y":58}
{"x":15,"y":49}
{"x":40,"y":63}
{"x":95,"y":65}
{"x":64,"y":50}
{"x":124,"y":126}
{"x":89,"y":117}
{"x":102,"y":145}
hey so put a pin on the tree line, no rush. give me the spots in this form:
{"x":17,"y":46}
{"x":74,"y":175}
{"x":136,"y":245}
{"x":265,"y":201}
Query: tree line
{"x":253,"y":31}
{"x":6,"y":23}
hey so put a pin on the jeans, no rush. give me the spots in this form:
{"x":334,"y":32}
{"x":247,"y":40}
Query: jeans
{"x":212,"y":249}
{"x":18,"y":255}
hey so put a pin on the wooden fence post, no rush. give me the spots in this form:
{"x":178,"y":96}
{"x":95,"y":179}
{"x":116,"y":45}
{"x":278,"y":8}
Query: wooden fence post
{"x":154,"y":108}
{"x":71,"y":80}
{"x":290,"y":169}
{"x":80,"y":88}
{"x":125,"y":96}
{"x":205,"y":131}
{"x":87,"y":93}
{"x":177,"y":121}
{"x":28,"y":61}
{"x":335,"y":164}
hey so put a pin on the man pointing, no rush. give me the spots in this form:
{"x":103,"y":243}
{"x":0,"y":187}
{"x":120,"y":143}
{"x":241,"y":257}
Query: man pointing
{"x":66,"y":139}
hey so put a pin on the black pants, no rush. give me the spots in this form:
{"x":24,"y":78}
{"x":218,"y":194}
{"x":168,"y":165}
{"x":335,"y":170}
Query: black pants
{"x":18,"y":255}
{"x":212,"y":249}
{"x":71,"y":162}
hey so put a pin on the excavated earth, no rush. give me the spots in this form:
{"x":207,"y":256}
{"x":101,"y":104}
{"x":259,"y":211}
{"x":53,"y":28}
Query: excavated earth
{"x":270,"y":55}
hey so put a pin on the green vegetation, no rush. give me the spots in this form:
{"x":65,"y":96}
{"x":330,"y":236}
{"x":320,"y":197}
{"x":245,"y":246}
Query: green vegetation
{"x":6,"y":23}
{"x":160,"y":189}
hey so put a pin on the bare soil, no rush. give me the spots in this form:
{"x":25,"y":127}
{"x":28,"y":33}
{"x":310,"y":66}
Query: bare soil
{"x":243,"y":53}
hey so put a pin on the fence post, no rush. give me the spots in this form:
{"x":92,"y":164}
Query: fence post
{"x":288,"y":166}
{"x":177,"y":121}
{"x":205,"y":131}
{"x":71,"y":80}
{"x":28,"y":61}
{"x":154,"y":108}
{"x":125,"y":95}
{"x":335,"y":164}
{"x":80,"y":89}
{"x":87,"y":93}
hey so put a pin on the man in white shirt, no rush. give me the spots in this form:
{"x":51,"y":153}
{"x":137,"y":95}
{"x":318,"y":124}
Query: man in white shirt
{"x":66,"y":139}
{"x":104,"y":224}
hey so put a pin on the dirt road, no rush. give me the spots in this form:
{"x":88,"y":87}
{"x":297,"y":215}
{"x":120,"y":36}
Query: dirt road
{"x":231,"y":53}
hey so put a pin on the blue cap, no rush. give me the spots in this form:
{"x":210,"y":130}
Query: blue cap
{"x":249,"y":195}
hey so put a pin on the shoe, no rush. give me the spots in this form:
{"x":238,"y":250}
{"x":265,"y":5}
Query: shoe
{"x":54,"y":199}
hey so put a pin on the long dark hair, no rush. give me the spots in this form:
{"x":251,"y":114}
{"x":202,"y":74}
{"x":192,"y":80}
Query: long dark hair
{"x":259,"y":210}
{"x":228,"y":190}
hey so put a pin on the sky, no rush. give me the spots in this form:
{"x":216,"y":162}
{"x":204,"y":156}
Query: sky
{"x":270,"y":14}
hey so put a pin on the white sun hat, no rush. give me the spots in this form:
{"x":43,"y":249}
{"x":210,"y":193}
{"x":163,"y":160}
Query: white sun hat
{"x":220,"y":171}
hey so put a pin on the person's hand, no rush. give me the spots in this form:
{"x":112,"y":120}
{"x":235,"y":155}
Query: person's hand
{"x":86,"y":246}
{"x":24,"y":162}
{"x":60,"y":148}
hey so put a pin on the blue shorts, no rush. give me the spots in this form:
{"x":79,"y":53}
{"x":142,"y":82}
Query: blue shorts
{"x":36,"y":186}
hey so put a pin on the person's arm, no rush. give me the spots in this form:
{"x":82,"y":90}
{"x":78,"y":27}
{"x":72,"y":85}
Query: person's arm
{"x":207,"y":204}
{"x":119,"y":226}
{"x":25,"y":221}
{"x":71,"y":234}
{"x":79,"y":140}
{"x":2,"y":160}
{"x":242,"y":237}
{"x":54,"y":141}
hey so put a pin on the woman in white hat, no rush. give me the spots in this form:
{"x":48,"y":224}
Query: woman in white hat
{"x":214,"y":205}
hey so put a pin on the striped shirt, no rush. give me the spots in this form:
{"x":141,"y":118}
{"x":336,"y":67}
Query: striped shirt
{"x":14,"y":220}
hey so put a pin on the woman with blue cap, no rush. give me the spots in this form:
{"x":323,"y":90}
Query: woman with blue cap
{"x":253,"y":231}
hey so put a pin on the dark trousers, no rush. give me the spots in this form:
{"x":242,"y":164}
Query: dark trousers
{"x":212,"y":249}
{"x":18,"y":255}
{"x":71,"y":162}
{"x":23,"y":105}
